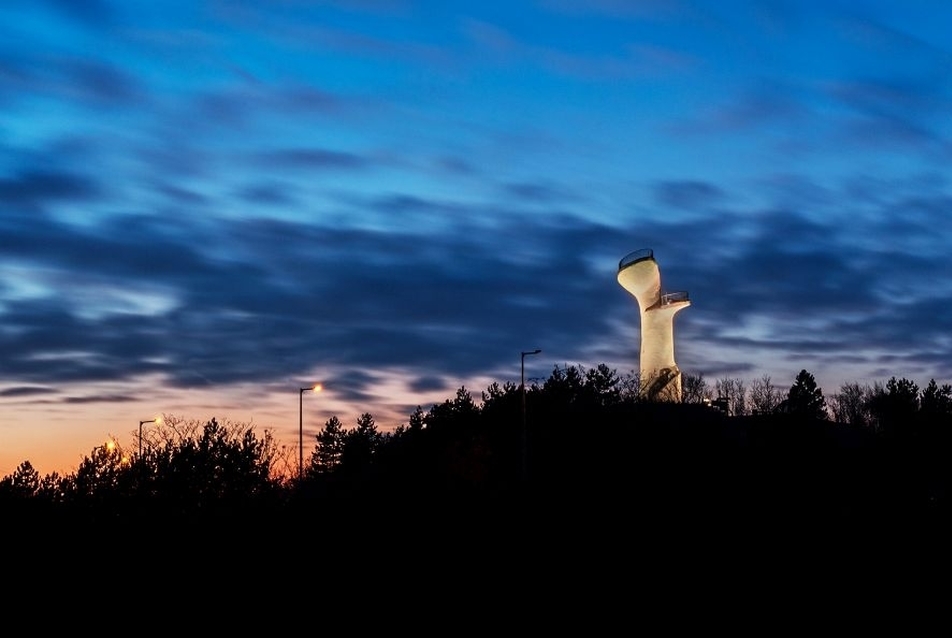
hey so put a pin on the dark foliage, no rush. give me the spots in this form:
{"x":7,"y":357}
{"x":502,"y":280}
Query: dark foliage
{"x":805,"y":399}
{"x":587,"y":470}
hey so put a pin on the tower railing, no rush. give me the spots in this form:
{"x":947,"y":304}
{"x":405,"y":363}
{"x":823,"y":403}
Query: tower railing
{"x":674,"y":297}
{"x":635,"y":256}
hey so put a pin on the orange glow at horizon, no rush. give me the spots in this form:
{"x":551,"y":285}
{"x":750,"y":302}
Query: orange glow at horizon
{"x":53,"y":437}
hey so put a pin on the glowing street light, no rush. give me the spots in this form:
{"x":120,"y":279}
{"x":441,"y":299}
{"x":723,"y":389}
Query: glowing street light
{"x":522,"y":388}
{"x":157,"y":419}
{"x":315,"y":389}
{"x":106,"y":450}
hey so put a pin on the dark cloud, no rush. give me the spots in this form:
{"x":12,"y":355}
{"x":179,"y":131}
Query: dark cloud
{"x":688,"y":195}
{"x":26,"y":391}
{"x":77,"y":80}
{"x":884,"y":131}
{"x":15,"y":79}
{"x":34,"y":188}
{"x":763,"y":105}
{"x":892,"y":97}
{"x":100,"y":83}
{"x":269,"y":193}
{"x":309,"y":100}
{"x":513,"y":46}
{"x":355,"y":385}
{"x":428,"y":383}
{"x":402,"y":204}
{"x":126,"y":248}
{"x":183,"y":196}
{"x":312,"y":28}
{"x":889,"y":111}
{"x":456,"y":165}
{"x":288,"y":304}
{"x":539,"y":192}
{"x":308,"y":158}
{"x":103,"y":398}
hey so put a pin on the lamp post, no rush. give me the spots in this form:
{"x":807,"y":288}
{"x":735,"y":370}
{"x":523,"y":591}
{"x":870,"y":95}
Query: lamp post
{"x":141,"y":423}
{"x":522,"y":389}
{"x":314,"y":388}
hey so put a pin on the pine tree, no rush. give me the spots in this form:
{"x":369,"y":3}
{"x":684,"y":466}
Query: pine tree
{"x":895,"y":405}
{"x":360,"y":444}
{"x":417,"y":419}
{"x":330,"y":446}
{"x":935,"y":401}
{"x":805,"y":399}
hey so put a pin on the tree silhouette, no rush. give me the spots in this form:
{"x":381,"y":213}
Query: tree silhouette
{"x":732,"y":391}
{"x":23,"y":483}
{"x":805,"y":399}
{"x":98,"y":479}
{"x":895,"y":405}
{"x":935,"y":403}
{"x":602,"y":386}
{"x":564,"y":386}
{"x":594,"y":447}
{"x":417,"y":419}
{"x":459,"y":445}
{"x":694,"y":389}
{"x":216,"y":468}
{"x":851,"y":405}
{"x":764,"y":396}
{"x":326,"y":456}
{"x":360,"y":444}
{"x":461,"y":412}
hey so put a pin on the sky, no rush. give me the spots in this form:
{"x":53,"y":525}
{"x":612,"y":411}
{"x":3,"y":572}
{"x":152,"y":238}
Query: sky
{"x":206,"y":206}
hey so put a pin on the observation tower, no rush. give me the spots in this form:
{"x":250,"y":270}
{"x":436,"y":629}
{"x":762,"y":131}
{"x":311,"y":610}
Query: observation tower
{"x":638,"y":273}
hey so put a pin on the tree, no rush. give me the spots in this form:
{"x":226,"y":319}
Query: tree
{"x":330,"y":447}
{"x":602,"y":385}
{"x":851,"y":405}
{"x":417,"y":419}
{"x":694,"y":389}
{"x":216,"y":467}
{"x":733,"y":392}
{"x":25,"y":482}
{"x":97,"y":479}
{"x":935,"y":403}
{"x":896,"y":404}
{"x":360,"y":444}
{"x":495,"y":392}
{"x":764,"y":396}
{"x":564,"y":386}
{"x":805,"y":399}
{"x":26,"y":492}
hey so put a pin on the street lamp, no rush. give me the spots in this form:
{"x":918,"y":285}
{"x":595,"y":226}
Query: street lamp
{"x":314,"y":388}
{"x":141,"y":423}
{"x":522,"y":389}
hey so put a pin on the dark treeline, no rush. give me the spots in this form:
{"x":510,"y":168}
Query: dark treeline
{"x":587,"y":462}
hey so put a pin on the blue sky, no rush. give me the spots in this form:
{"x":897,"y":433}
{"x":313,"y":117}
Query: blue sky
{"x":204,"y":205}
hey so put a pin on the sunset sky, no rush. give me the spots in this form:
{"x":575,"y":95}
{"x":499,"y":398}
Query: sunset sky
{"x":205,"y":206}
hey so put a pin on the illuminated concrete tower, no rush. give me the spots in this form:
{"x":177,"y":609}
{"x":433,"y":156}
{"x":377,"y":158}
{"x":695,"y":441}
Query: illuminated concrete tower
{"x":660,"y":376}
